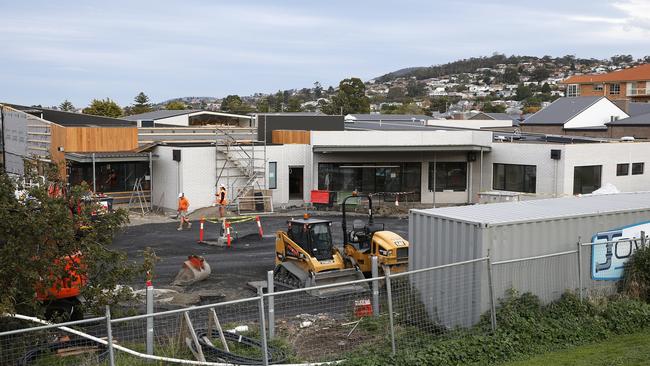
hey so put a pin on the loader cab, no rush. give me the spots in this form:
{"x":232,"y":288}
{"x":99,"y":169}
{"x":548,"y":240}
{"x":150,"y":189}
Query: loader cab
{"x":313,"y":236}
{"x":360,"y":233}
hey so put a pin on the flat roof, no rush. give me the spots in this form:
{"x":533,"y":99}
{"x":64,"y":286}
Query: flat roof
{"x":72,"y":119}
{"x":543,"y":209}
{"x":106,"y":157}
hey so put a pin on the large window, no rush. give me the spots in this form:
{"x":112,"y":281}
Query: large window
{"x":614,"y":89}
{"x":622,"y":169}
{"x":450,"y":176}
{"x":516,"y":178}
{"x":586,"y":179}
{"x":110,"y":177}
{"x":573,"y":90}
{"x":273,"y":175}
{"x":637,"y":168}
{"x":371,"y":177}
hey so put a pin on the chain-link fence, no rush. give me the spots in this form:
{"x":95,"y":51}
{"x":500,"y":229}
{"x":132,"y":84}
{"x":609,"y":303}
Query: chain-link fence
{"x":397,"y":311}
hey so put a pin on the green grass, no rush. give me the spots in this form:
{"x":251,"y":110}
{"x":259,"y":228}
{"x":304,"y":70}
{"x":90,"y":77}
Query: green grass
{"x":628,"y":350}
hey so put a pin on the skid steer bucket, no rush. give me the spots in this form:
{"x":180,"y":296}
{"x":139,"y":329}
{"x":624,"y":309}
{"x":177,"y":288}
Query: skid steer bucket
{"x":194,"y":269}
{"x":338,"y":276}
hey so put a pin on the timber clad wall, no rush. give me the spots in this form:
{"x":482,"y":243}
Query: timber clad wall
{"x":100,"y":139}
{"x":91,"y":139}
{"x":291,"y":137}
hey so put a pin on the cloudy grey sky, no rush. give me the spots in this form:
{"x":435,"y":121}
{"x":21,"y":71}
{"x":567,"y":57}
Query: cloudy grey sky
{"x":79,"y":50}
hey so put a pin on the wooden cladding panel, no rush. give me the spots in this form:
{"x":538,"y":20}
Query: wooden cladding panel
{"x":291,"y":137}
{"x":57,"y":139}
{"x":100,"y":139}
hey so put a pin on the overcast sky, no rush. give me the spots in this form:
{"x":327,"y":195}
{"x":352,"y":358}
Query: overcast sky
{"x":79,"y":50}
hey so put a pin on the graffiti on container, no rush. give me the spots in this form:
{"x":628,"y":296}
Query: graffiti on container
{"x":615,"y":248}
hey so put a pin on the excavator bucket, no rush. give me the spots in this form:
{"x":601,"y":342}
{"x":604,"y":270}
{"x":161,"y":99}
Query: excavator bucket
{"x":290,"y":275}
{"x":194,"y":269}
{"x":338,"y":276}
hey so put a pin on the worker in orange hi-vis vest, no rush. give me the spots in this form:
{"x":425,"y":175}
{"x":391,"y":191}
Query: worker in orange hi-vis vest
{"x":221,"y":200}
{"x":183,"y":205}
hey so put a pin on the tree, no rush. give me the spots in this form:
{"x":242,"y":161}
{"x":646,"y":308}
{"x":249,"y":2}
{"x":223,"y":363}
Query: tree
{"x":494,"y":108}
{"x":318,"y":90}
{"x":41,"y":230}
{"x":234,"y":104}
{"x":523,"y":92}
{"x":294,"y":105}
{"x":415,"y":89}
{"x":141,"y":104}
{"x":396,"y":94}
{"x":350,"y":98}
{"x":546,"y":89}
{"x":175,"y":105}
{"x":540,"y":74}
{"x":66,"y":106}
{"x":103,"y":107}
{"x":263,"y":105}
{"x":511,"y":76}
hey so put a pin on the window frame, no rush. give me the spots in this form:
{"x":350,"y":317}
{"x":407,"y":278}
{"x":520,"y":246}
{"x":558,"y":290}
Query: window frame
{"x":446,"y":187}
{"x":641,"y":164}
{"x":619,"y":172}
{"x":612,"y":90}
{"x":574,"y":93}
{"x":525,"y":175}
{"x":598,"y":87}
{"x":600,"y":176}
{"x":273,"y":175}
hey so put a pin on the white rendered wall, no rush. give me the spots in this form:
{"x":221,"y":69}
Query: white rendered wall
{"x":287,"y":156}
{"x":596,"y":115}
{"x":470,"y":123}
{"x":181,"y":120}
{"x":197,"y":176}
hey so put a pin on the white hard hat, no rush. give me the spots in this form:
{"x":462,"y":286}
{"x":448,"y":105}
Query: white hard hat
{"x":180,"y":195}
{"x":221,"y":185}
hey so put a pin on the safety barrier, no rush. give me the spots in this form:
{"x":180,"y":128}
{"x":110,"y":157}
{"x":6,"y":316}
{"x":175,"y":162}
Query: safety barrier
{"x":227,"y":233}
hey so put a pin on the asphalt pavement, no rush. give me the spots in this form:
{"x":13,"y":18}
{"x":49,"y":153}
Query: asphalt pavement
{"x":248,"y":259}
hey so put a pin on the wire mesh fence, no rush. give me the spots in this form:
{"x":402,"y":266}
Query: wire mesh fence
{"x":398,"y":311}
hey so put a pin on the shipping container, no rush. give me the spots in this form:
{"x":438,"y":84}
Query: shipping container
{"x":514,"y":230}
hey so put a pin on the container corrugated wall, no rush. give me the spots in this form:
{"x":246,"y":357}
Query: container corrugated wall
{"x":452,"y":296}
{"x":438,"y":240}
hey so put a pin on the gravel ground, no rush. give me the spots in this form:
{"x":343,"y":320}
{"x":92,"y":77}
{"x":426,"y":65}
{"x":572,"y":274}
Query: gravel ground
{"x":248,"y":259}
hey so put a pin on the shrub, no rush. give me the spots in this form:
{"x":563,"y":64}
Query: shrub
{"x":636,"y":276}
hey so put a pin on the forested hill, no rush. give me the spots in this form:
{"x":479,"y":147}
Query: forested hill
{"x":471,"y":64}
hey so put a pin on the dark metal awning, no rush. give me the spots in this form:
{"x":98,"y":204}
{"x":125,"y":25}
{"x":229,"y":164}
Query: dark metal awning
{"x":336,"y":149}
{"x":106,"y":157}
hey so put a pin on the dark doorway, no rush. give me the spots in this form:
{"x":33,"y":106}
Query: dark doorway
{"x":295,"y":183}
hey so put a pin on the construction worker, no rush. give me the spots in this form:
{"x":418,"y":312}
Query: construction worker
{"x":183,"y":205}
{"x":221,"y":200}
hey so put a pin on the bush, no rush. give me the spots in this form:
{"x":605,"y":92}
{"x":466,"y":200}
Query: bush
{"x":525,"y":328}
{"x":636,"y":276}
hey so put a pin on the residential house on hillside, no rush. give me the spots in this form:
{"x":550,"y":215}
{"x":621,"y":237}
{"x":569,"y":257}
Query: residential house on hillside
{"x":631,"y":83}
{"x":584,"y":116}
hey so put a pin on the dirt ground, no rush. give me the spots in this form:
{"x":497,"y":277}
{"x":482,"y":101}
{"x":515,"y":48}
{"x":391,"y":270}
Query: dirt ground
{"x":248,"y":259}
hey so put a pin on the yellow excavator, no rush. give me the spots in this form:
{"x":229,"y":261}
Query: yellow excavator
{"x":306,"y":256}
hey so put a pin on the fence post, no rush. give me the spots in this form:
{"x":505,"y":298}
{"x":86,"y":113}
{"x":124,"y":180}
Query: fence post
{"x":580,"y":291}
{"x":389,"y":294}
{"x":109,"y":337}
{"x":375,"y":285}
{"x":149,"y":319}
{"x":493,"y":313}
{"x":270,"y":290}
{"x":265,"y":349}
{"x":642,"y":239}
